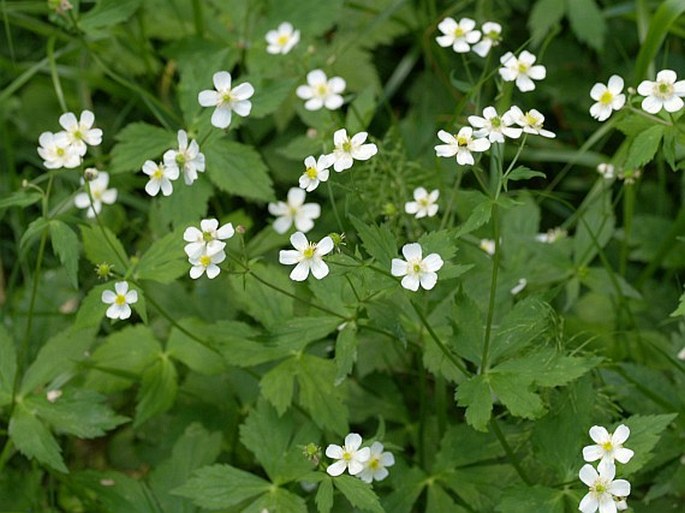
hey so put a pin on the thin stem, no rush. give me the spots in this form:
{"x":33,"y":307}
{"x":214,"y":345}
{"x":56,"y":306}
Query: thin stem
{"x":628,"y":210}
{"x":54,"y":75}
{"x":509,"y":452}
{"x":198,"y":18}
{"x":493,"y":291}
{"x":335,"y":207}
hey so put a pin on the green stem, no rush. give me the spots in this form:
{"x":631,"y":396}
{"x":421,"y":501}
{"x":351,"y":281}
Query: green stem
{"x":198,"y":18}
{"x":509,"y":452}
{"x":493,"y":291}
{"x":54,"y":75}
{"x":334,"y":206}
{"x":628,"y":210}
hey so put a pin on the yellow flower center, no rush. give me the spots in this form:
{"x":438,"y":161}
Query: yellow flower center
{"x":599,"y":488}
{"x":120,"y":299}
{"x":523,"y":67}
{"x":97,"y":194}
{"x":283,"y":39}
{"x":207,"y":236}
{"x":416,"y":267}
{"x":664,"y":90}
{"x":60,"y":152}
{"x":459,"y":32}
{"x":375,"y":463}
{"x":226,"y":97}
{"x":322,"y":89}
{"x":158,"y":175}
{"x":531,"y":120}
{"x":462,"y":141}
{"x":311,"y":172}
{"x":606,"y":98}
{"x":205,"y":261}
{"x":492,"y":35}
{"x":424,"y":202}
{"x":347,"y":456}
{"x":607,"y":446}
{"x":180,"y":159}
{"x":78,"y":134}
{"x":347,"y":146}
{"x":496,"y":122}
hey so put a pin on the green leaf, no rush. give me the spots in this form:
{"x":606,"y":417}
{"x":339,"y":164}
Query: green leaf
{"x":127,"y":495}
{"x":645,"y":432}
{"x":319,"y":396}
{"x":221,"y":486}
{"x":77,"y":412}
{"x":101,"y":245}
{"x":468,"y":328}
{"x":66,"y":246}
{"x":358,"y":493}
{"x":549,"y":368}
{"x":644,"y":147}
{"x":34,"y":440}
{"x":8,"y":366}
{"x":479,"y":216}
{"x":587,"y":22}
{"x":378,"y":241}
{"x":595,"y":226}
{"x":345,"y":352}
{"x":361,"y":111}
{"x":279,"y":499}
{"x":439,"y":501}
{"x":525,"y":499}
{"x":34,"y":229}
{"x":239,"y":170}
{"x":278,"y":385}
{"x":530,"y":321}
{"x":165,"y":260}
{"x":107,"y":13}
{"x":91,"y":310}
{"x":523,"y":173}
{"x":157,"y":391}
{"x":408,"y":487}
{"x":324,"y":495}
{"x":20,"y":198}
{"x":476,"y":397}
{"x":514,"y":392}
{"x":138,"y":142}
{"x":659,"y":26}
{"x":269,"y":97}
{"x":185,"y":206}
{"x":544,"y":15}
{"x":681,"y":306}
{"x":195,"y":355}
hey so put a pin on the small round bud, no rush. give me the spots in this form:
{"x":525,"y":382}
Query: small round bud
{"x":312,"y":452}
{"x":104,"y":270}
{"x":389,"y":210}
{"x":338,"y":239}
{"x":90,"y":174}
{"x":24,"y":183}
{"x":240,"y":229}
{"x":312,"y":133}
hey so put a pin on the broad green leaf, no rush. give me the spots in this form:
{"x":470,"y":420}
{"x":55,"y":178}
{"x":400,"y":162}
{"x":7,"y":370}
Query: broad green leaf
{"x":107,"y":13}
{"x":8,"y":366}
{"x":319,"y":396}
{"x":102,"y":246}
{"x":238,"y":169}
{"x":138,"y":142}
{"x":324,"y":495}
{"x":523,"y":173}
{"x":300,"y":331}
{"x":476,"y":397}
{"x":438,"y":363}
{"x":165,"y":260}
{"x":439,"y":501}
{"x":468,"y":329}
{"x":34,"y":440}
{"x":441,"y":242}
{"x":645,"y":432}
{"x":462,"y":446}
{"x":544,"y":15}
{"x":91,"y":311}
{"x":361,"y":111}
{"x":659,"y":26}
{"x":221,"y":486}
{"x":185,"y":206}
{"x":345,"y":352}
{"x":358,"y":493}
{"x":408,"y":487}
{"x":515,"y":393}
{"x":66,"y":246}
{"x":525,"y":499}
{"x":124,"y":495}
{"x":194,"y":354}
{"x":644,"y":147}
{"x":77,"y":412}
{"x":529,"y":322}
{"x":20,"y":198}
{"x":378,"y":241}
{"x":310,"y":16}
{"x":158,"y":389}
{"x":269,"y":97}
{"x":278,"y":499}
{"x":278,"y":385}
{"x":587,"y":22}
{"x":479,"y":216}
{"x":549,"y":368}
{"x":481,"y":486}
{"x":34,"y":229}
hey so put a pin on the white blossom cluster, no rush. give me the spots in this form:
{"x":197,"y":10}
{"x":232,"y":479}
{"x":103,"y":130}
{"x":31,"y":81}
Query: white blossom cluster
{"x":367,"y":463}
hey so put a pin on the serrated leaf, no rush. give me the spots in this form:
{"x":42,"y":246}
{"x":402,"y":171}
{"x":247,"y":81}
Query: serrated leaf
{"x":645,"y":432}
{"x":345,"y":352}
{"x":186,"y":205}
{"x":476,"y":397}
{"x":278,"y":385}
{"x":515,"y":393}
{"x":138,"y":142}
{"x":157,"y":391}
{"x":408,"y":487}
{"x":468,"y":329}
{"x":239,"y":170}
{"x":523,"y":173}
{"x":439,"y":501}
{"x":644,"y":147}
{"x":34,"y":440}
{"x":101,"y":245}
{"x":587,"y":22}
{"x":358,"y":493}
{"x":378,"y":241}
{"x":8,"y":366}
{"x":107,"y":13}
{"x":66,"y":246}
{"x":198,"y":357}
{"x":21,"y":198}
{"x":548,"y":368}
{"x":479,"y":216}
{"x":34,"y":229}
{"x":544,"y":15}
{"x":269,"y":97}
{"x":221,"y":486}
{"x":319,"y":396}
{"x":91,"y":311}
{"x":324,"y":495}
{"x":528,"y":322}
{"x":524,"y":499}
{"x":165,"y":260}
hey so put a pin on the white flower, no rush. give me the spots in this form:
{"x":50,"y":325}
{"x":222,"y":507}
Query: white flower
{"x":186,"y":159}
{"x":119,"y":300}
{"x":461,"y":145}
{"x":608,"y":446}
{"x":350,"y":457}
{"x":531,"y":121}
{"x":603,"y":489}
{"x":347,"y":150}
{"x":160,"y":178}
{"x":294,"y":211}
{"x":487,"y":245}
{"x":225,"y":99}
{"x":283,"y":39}
{"x":518,"y":288}
{"x":56,"y":151}
{"x":416,"y":270}
{"x":321,"y":92}
{"x":606,"y":170}
{"x":81,"y":132}
{"x":307,"y":255}
{"x":316,"y":171}
{"x":663,"y":93}
{"x":53,"y":395}
{"x":521,"y":70}
{"x":491,"y":37}
{"x":375,"y":467}
{"x":551,"y":236}
{"x":460,"y":36}
{"x":207,"y":239}
{"x":206,"y":263}
{"x":681,"y":354}
{"x":608,"y":97}
{"x":423,"y":204}
{"x":99,"y":192}
{"x":494,"y":126}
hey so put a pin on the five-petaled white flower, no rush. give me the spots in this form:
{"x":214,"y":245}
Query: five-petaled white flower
{"x":460,"y":36}
{"x":321,"y":92}
{"x":119,"y":300}
{"x":531,"y":121}
{"x":608,"y":98}
{"x":424,"y":204}
{"x":350,"y":457}
{"x":607,"y":170}
{"x":346,"y":150}
{"x":521,"y":70}
{"x":493,"y":126}
{"x":205,"y":262}
{"x":57,"y":151}
{"x":416,"y":269}
{"x":226,"y":99}
{"x":306,"y":257}
{"x":208,"y":239}
{"x":608,"y":446}
{"x":81,"y":132}
{"x":315,"y":172}
{"x":664,"y":92}
{"x":491,"y":37}
{"x":375,"y":467}
{"x":99,"y":193}
{"x":160,"y":178}
{"x":187,"y":159}
{"x":283,"y":39}
{"x":461,"y":145}
{"x":603,"y":488}
{"x":294,"y":211}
